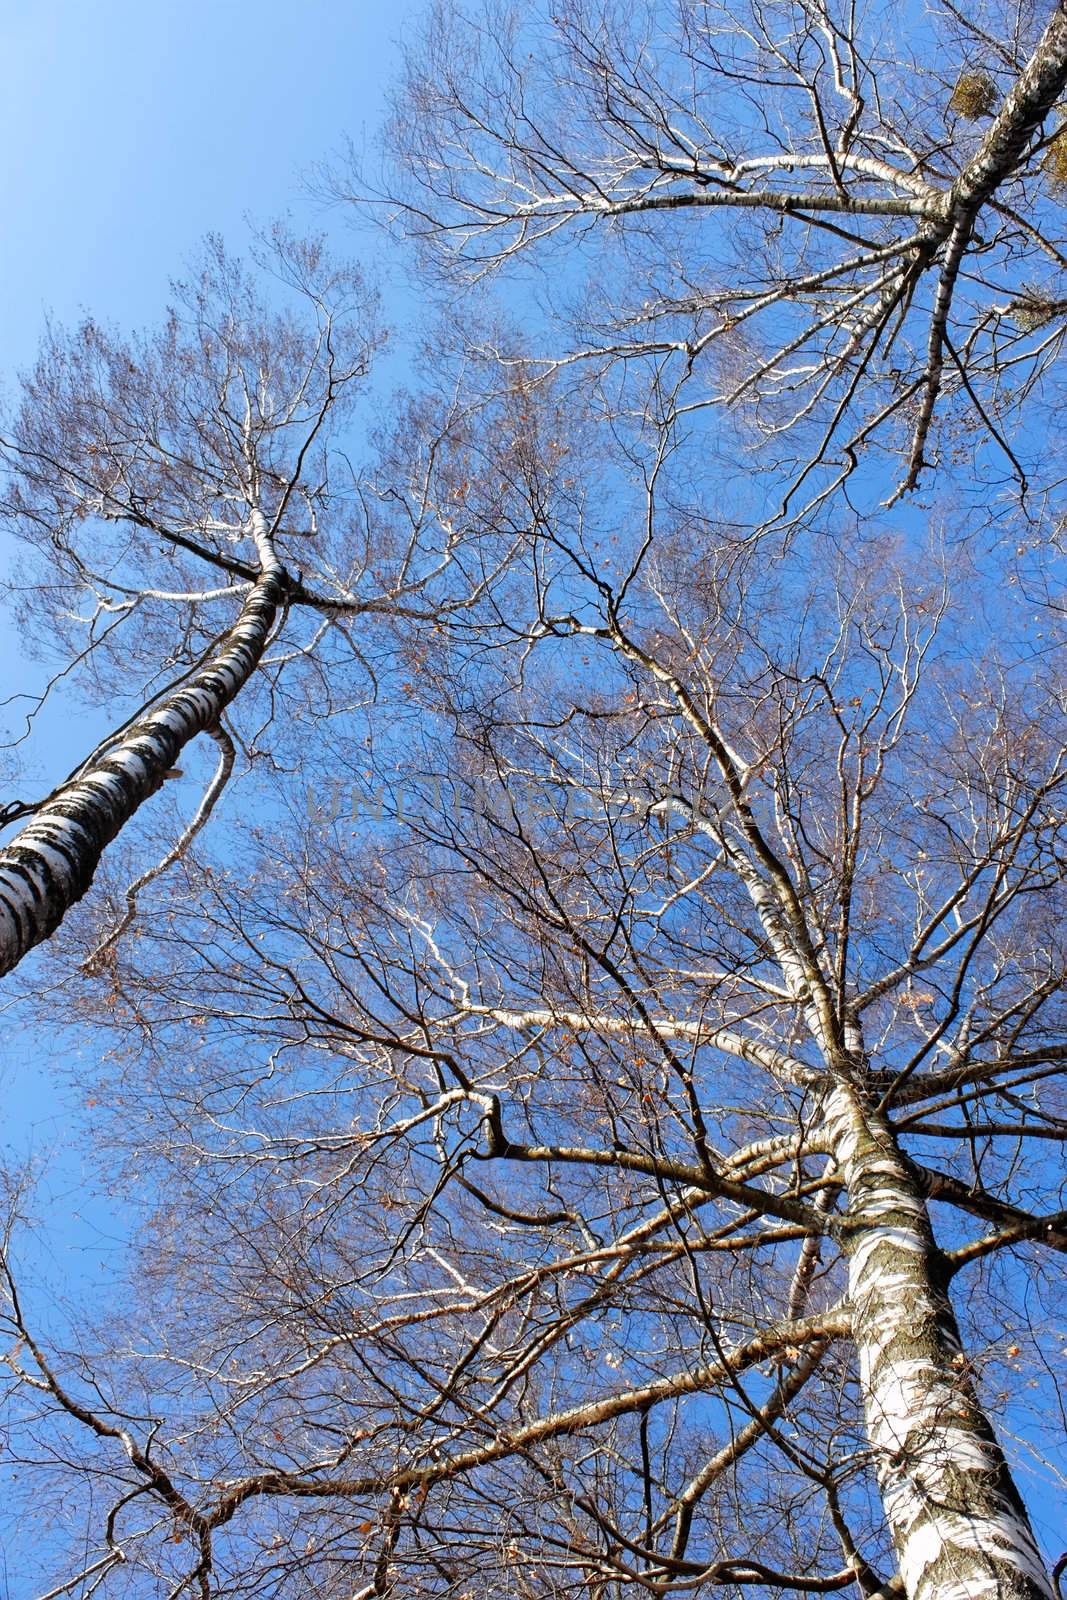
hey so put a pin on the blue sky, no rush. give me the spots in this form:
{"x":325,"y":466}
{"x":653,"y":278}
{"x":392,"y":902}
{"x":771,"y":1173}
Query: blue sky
{"x":131,"y":130}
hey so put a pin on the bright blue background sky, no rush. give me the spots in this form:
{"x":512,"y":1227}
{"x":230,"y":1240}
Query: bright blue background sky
{"x":128,"y":131}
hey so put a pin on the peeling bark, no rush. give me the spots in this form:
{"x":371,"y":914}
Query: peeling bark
{"x":50,"y":864}
{"x":957,"y":1521}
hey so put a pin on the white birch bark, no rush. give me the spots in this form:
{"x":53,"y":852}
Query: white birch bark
{"x":957,"y":1522}
{"x":50,"y":864}
{"x":1030,"y":101}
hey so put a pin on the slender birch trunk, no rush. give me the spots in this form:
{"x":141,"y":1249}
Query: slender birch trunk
{"x":50,"y":864}
{"x":957,"y":1522}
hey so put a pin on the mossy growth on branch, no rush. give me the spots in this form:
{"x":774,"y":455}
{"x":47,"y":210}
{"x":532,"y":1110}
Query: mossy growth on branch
{"x":1032,"y":309}
{"x":1054,"y":162}
{"x":975,"y":96}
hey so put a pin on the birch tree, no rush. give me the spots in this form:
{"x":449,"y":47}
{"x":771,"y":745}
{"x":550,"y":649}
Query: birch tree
{"x":836,"y":222}
{"x":183,"y":452}
{"x":177,"y":493}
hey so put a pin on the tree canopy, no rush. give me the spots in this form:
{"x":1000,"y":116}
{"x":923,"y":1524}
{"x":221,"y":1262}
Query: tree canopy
{"x":585,"y":1053}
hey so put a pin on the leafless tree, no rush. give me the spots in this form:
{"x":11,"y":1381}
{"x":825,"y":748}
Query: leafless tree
{"x":210,"y":452}
{"x":831,"y":219}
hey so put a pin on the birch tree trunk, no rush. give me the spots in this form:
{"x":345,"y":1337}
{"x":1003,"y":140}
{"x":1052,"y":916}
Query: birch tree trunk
{"x":957,"y":1521}
{"x":51,"y":863}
